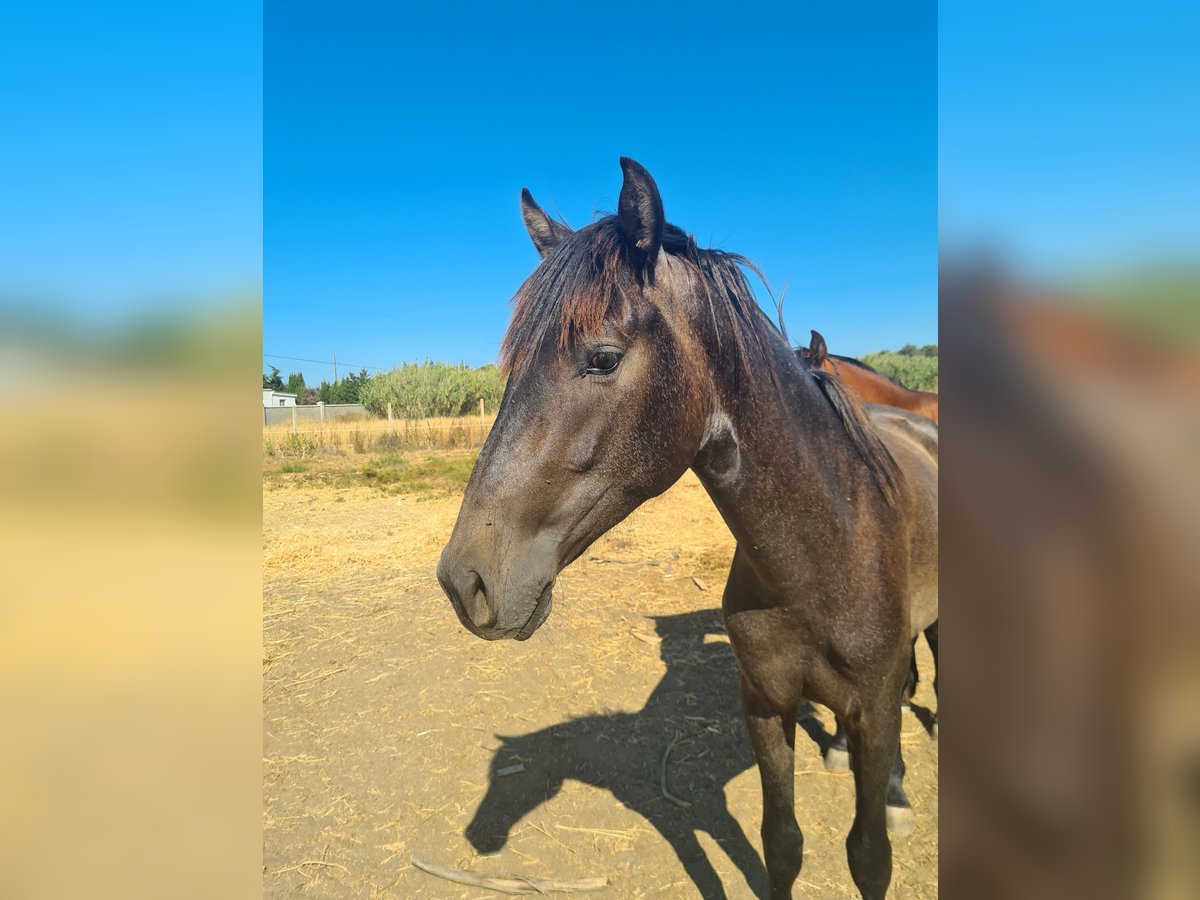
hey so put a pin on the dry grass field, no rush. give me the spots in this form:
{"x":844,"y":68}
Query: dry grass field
{"x":363,"y":434}
{"x":391,"y":732}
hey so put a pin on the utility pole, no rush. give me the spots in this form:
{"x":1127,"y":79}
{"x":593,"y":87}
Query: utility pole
{"x":335,"y":368}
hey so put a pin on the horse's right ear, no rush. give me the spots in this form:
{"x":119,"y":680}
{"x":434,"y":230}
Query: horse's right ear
{"x":640,"y":210}
{"x":544,"y":231}
{"x":817,"y":351}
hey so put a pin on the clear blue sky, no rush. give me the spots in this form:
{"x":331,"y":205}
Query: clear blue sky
{"x":131,"y":155}
{"x":398,"y":137}
{"x":132,"y":165}
{"x":1070,"y":132}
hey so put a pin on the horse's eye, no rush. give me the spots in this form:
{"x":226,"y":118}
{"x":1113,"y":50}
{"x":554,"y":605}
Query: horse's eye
{"x":603,"y":362}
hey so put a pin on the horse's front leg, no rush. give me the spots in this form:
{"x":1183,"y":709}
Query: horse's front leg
{"x":874,"y":739}
{"x":773,"y":736}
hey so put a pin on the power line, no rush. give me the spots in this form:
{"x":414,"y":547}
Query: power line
{"x":323,"y":362}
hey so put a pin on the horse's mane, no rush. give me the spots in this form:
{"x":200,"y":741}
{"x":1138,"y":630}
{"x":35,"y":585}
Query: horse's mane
{"x":850,"y":360}
{"x":862,"y":435}
{"x":595,"y":276}
{"x":856,"y":362}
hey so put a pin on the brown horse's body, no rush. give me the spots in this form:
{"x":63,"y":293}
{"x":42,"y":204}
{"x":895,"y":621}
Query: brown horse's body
{"x":866,"y":384}
{"x":634,"y":355}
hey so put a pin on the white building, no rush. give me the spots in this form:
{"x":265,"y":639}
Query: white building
{"x":277,"y":398}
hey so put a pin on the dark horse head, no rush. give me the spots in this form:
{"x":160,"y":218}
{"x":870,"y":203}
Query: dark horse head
{"x":607,"y":404}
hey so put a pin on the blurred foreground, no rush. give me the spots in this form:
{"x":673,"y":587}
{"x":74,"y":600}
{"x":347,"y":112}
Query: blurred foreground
{"x":1071,"y":500}
{"x":129,"y":650}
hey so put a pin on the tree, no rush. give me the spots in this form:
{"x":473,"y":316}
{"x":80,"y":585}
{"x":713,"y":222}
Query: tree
{"x":295,"y":384}
{"x":273,"y":381}
{"x":344,"y":390}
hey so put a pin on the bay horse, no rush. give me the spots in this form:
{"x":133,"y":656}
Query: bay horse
{"x":865,"y":383}
{"x":633,"y":355}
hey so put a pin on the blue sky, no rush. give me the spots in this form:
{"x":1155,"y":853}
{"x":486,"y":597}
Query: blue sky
{"x":398,"y":137}
{"x":132,"y":169}
{"x":130,"y":166}
{"x":1070,"y":133}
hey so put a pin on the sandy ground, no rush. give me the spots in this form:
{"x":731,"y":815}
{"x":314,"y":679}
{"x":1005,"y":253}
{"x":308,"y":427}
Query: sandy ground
{"x":390,"y":731}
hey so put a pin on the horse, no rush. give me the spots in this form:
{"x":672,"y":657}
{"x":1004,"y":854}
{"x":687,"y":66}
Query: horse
{"x":633,"y":355}
{"x":871,"y":386}
{"x":865,"y":383}
{"x":923,"y":620}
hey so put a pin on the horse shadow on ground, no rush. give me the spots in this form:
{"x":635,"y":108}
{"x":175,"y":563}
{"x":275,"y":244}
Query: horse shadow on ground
{"x":695,"y":704}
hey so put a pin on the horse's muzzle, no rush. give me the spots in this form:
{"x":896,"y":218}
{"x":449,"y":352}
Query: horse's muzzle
{"x":479,"y":611}
{"x":541,"y":612}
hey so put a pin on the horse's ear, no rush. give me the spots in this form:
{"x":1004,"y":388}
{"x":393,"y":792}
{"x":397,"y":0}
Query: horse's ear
{"x":544,"y":231}
{"x":640,"y":209}
{"x":817,"y":351}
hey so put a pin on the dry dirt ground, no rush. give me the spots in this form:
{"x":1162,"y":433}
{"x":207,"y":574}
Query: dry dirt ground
{"x":390,"y":731}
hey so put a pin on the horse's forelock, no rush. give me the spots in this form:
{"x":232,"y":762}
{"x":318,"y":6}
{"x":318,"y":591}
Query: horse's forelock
{"x":570,"y":295}
{"x":593,"y":278}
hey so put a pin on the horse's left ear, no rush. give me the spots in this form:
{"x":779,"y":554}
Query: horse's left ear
{"x":545,"y":233}
{"x":817,"y":351}
{"x":640,"y":209}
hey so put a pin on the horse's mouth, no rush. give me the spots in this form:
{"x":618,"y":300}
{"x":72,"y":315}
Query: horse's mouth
{"x":541,"y":612}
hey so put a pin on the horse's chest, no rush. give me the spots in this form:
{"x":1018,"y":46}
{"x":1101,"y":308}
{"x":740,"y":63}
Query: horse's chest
{"x":774,"y":654}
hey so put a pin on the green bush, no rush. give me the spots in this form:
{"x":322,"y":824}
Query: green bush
{"x":917,"y":370}
{"x":294,"y":445}
{"x":429,"y":389}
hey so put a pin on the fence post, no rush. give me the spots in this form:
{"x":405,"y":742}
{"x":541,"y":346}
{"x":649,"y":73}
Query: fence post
{"x":482,"y":427}
{"x":391,"y":422}
{"x":321,"y":407}
{"x":294,"y":429}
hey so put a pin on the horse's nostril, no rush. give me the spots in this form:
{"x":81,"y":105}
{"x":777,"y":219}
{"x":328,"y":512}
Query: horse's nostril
{"x":475,"y":602}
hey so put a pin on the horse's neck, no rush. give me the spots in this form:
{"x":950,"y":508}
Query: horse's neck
{"x":778,"y":464}
{"x":884,"y":389}
{"x":875,"y":388}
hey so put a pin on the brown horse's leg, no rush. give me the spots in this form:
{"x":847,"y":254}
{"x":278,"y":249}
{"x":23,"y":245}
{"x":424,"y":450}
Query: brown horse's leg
{"x":837,"y":754}
{"x":874,"y":737}
{"x":773,"y":737}
{"x":899,"y":812}
{"x":914,"y":677}
{"x":931,"y":635}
